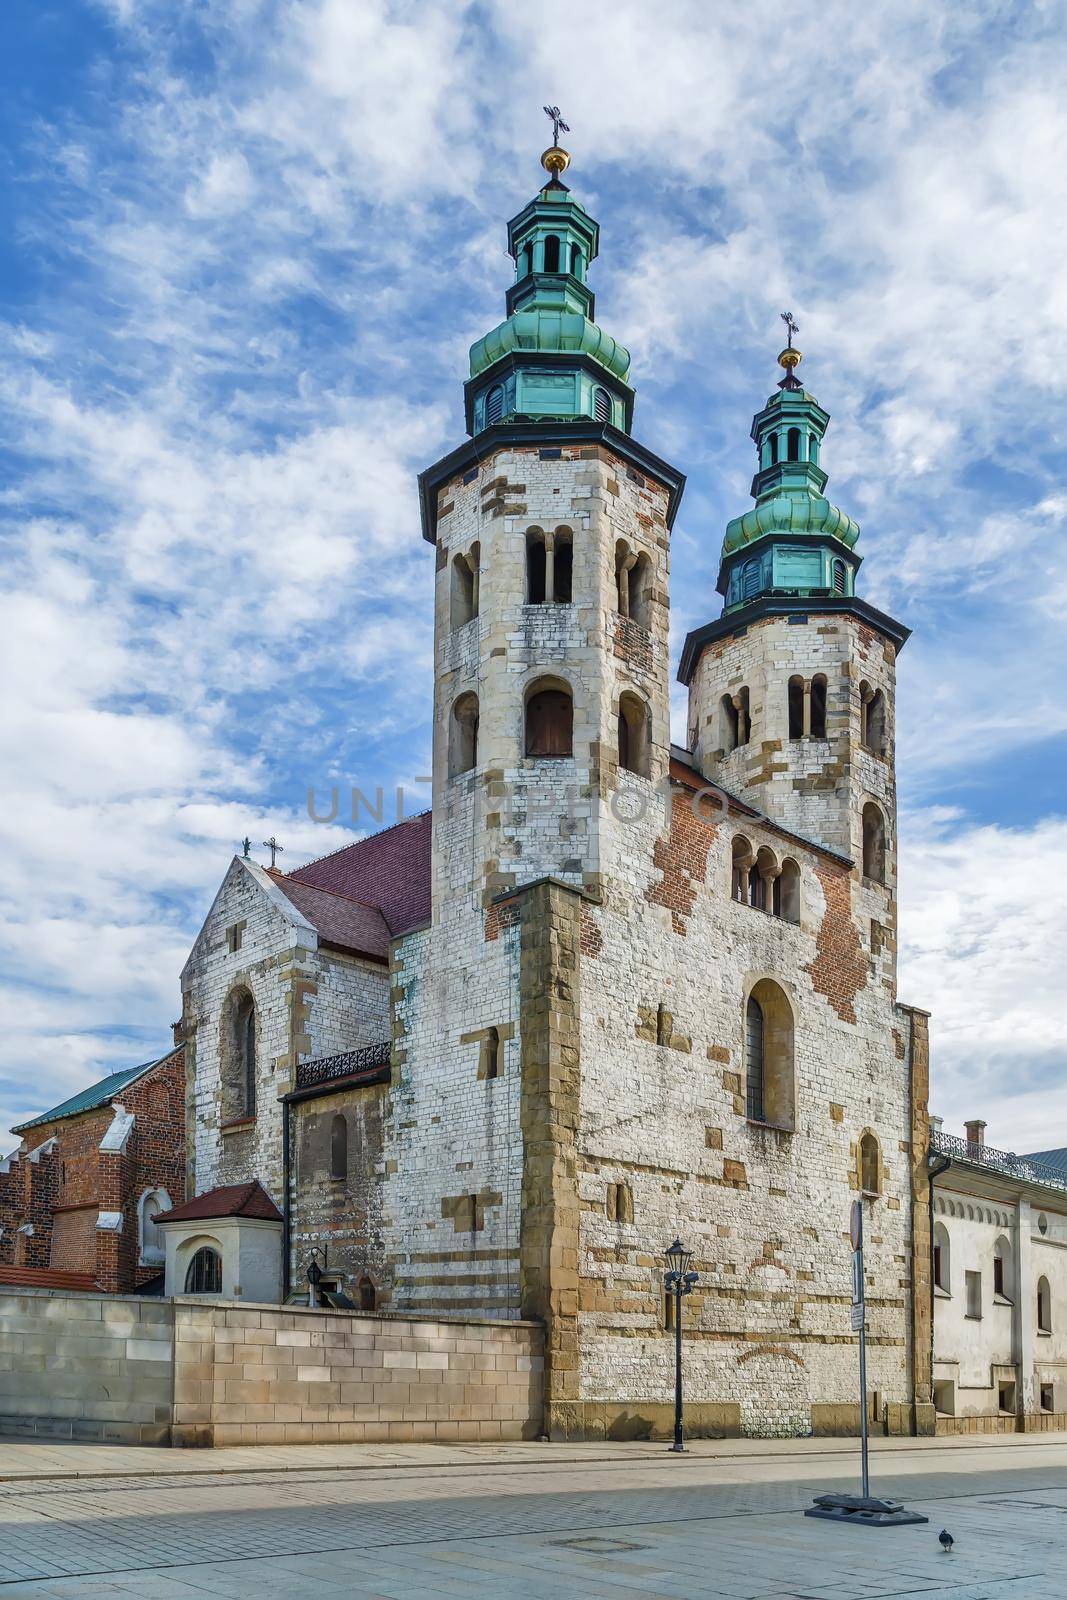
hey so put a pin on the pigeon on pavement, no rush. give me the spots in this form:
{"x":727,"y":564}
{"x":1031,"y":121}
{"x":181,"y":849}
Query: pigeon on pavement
{"x":946,"y":1541}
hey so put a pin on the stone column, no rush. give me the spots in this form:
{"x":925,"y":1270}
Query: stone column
{"x":550,"y":568}
{"x":806,"y":729}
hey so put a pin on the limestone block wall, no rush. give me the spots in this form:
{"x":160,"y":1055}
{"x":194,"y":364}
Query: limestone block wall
{"x":195,"y":1372}
{"x":766,"y":1211}
{"x":81,"y":1366}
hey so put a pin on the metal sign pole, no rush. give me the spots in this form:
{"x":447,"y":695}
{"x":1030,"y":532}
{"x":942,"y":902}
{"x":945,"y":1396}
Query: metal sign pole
{"x":864,"y":1510}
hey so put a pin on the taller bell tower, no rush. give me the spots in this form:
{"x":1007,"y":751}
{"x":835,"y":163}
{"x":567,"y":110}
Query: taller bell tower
{"x":551,"y":524}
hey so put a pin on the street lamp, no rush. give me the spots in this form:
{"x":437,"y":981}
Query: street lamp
{"x":678,"y":1280}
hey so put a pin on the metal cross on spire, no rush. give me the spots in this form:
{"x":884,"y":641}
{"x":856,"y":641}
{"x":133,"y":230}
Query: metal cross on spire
{"x":274,"y":847}
{"x":787,"y":318}
{"x":558,"y":124}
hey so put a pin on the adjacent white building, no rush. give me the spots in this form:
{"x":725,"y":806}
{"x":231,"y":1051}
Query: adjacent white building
{"x":999,"y":1285}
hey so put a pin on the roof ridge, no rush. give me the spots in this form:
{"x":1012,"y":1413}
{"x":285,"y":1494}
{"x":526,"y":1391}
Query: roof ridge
{"x":402,"y":823}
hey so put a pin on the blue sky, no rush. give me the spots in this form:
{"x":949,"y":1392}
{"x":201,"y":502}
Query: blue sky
{"x":246,"y":248}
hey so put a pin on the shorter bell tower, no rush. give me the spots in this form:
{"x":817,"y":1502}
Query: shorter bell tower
{"x":792,"y":688}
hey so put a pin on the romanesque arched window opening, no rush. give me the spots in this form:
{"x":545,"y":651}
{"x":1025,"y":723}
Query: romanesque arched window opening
{"x":872,"y":719}
{"x":624,"y":560}
{"x":339,"y":1147}
{"x":239,"y":1057}
{"x":769,"y":1070}
{"x":366,"y":1295}
{"x":754,"y":1060}
{"x":942,"y":1259}
{"x":796,"y":707}
{"x":204,"y":1273}
{"x":562,"y":567}
{"x":463,"y":596}
{"x":492,"y":1054}
{"x":463,"y":736}
{"x":1002,"y":1276}
{"x":873,"y":843}
{"x":793,"y":444}
{"x":635,"y":735}
{"x":741,"y":860}
{"x":727,"y":724}
{"x":639,"y":580}
{"x":601,"y":404}
{"x":870,"y":1165}
{"x":494,"y":405}
{"x":149,"y":1235}
{"x":1044,"y":1306}
{"x":536,"y":567}
{"x":549,"y":722}
{"x":789,"y":892}
{"x":619,"y":1204}
{"x":551,"y":253}
{"x":818,"y":706}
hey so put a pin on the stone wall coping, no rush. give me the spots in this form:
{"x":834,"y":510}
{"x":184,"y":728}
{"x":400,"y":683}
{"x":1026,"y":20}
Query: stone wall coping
{"x":198,"y":1303}
{"x":557,"y":883}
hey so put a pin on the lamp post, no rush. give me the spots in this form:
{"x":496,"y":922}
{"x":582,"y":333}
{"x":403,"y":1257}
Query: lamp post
{"x":678,"y":1280}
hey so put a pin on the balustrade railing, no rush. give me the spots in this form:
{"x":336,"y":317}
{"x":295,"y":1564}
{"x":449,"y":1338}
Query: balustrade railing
{"x":347,"y":1064}
{"x":1003,"y":1161}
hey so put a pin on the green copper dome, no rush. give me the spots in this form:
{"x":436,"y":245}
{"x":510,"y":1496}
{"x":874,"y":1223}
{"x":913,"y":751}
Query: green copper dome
{"x":793,"y":542}
{"x":548,"y":360}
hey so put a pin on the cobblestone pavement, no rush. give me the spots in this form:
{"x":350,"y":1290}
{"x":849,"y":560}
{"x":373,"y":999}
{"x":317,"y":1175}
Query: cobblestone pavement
{"x":554,"y":1527}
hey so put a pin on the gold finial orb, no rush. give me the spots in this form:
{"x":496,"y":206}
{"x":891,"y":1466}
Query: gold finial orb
{"x":555,"y":160}
{"x":789,"y":358}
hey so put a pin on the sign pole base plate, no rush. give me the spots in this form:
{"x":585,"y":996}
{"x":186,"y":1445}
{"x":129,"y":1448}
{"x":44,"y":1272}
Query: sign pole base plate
{"x":872,"y":1512}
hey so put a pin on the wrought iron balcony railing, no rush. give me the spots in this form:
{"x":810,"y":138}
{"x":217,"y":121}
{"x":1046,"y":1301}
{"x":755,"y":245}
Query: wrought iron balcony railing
{"x":1002,"y":1161}
{"x":348,"y":1064}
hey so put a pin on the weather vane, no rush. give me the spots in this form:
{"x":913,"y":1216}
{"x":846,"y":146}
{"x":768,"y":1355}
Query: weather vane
{"x":787,"y":318}
{"x":558,"y":124}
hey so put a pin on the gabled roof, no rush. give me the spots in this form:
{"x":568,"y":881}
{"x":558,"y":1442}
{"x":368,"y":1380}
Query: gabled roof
{"x":233,"y":1200}
{"x":339,"y":920}
{"x":388,"y":871}
{"x":97,"y":1094}
{"x":46,"y":1278}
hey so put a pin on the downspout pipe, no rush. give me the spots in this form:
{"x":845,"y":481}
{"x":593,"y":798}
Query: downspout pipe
{"x":936,"y":1167}
{"x":286,"y":1274}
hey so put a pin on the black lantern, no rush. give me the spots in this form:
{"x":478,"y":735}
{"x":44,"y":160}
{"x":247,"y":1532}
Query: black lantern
{"x":678,"y":1281}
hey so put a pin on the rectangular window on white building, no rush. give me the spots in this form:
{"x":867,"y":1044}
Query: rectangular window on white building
{"x":974,"y":1294}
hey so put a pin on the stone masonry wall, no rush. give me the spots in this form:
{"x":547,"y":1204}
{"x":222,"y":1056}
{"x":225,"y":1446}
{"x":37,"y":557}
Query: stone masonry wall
{"x":193,"y":1372}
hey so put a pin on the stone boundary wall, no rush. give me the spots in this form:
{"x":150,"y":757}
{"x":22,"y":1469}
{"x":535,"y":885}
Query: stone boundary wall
{"x":192,"y":1372}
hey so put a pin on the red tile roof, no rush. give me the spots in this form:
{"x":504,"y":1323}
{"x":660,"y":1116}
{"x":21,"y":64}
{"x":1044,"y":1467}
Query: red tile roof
{"x":45,"y":1278}
{"x":338,"y":919}
{"x":234,"y":1200}
{"x":389,"y":870}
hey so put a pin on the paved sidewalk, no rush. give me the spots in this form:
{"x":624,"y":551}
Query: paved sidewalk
{"x":532,"y":1521}
{"x":37,"y":1458}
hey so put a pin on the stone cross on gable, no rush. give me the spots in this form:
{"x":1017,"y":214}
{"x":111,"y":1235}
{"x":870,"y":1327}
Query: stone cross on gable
{"x":274,"y":847}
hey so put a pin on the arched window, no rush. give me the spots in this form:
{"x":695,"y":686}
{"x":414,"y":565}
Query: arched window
{"x":792,"y":444}
{"x":494,"y":405}
{"x":1044,"y":1306}
{"x":576,"y":261}
{"x":527,"y":260}
{"x":818,"y":706}
{"x":774,"y":449}
{"x":789,"y":891}
{"x":754,"y":1060}
{"x":635,"y":735}
{"x":368,"y":1297}
{"x":873,"y":843}
{"x":204,"y":1275}
{"x":492,"y":1054}
{"x":239,"y":1057}
{"x":549,"y":721}
{"x":149,"y":1234}
{"x":551,"y":253}
{"x":750,"y":580}
{"x":769,"y":1073}
{"x":463,"y":736}
{"x":601,"y":404}
{"x":796,"y":707}
{"x":1003,"y":1284}
{"x":942,"y":1259}
{"x":339,"y":1147}
{"x":639,"y":579}
{"x":872,"y":719}
{"x":838,"y":577}
{"x":741,"y":861}
{"x":767,"y":874}
{"x":536,"y":567}
{"x":870,"y":1165}
{"x":562,"y":567}
{"x":463,"y":603}
{"x":624,"y":560}
{"x":728,"y":724}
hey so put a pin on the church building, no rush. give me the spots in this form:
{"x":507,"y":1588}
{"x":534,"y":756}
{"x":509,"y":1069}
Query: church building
{"x":609,"y":990}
